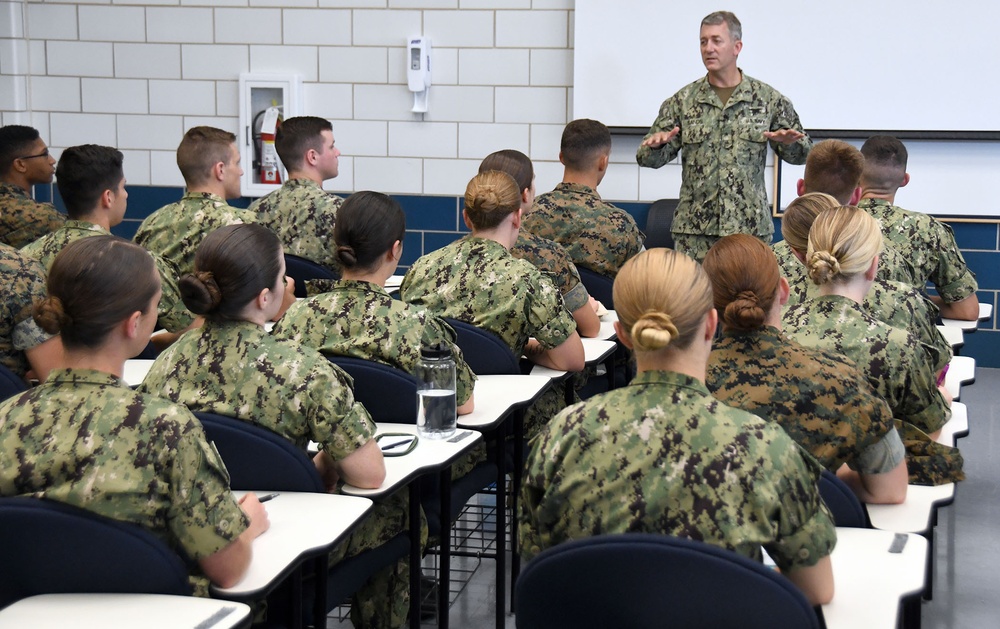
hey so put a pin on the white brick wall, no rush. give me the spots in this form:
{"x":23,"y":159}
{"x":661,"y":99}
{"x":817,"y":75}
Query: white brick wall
{"x":137,"y":73}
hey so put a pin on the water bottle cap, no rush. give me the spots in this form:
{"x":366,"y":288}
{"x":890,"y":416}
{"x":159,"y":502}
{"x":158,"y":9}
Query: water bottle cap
{"x":438,"y":350}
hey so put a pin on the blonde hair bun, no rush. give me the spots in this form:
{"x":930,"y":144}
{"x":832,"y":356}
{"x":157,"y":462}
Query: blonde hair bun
{"x":823,"y":267}
{"x":653,"y":330}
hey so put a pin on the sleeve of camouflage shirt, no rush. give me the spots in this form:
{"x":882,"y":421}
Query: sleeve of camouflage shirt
{"x":668,"y":118}
{"x":922,"y":403}
{"x":465,"y":380}
{"x":340,"y":424}
{"x":172,"y":313}
{"x":786,"y":118}
{"x":27,"y":287}
{"x":548,"y":320}
{"x":952,"y":277}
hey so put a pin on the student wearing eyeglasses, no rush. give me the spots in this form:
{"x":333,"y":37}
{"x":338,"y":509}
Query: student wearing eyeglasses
{"x":24,"y":162}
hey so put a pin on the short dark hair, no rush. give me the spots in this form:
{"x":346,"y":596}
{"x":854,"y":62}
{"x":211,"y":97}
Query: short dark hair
{"x":15,"y":139}
{"x":84,"y":173}
{"x":94,"y":284}
{"x":297,"y":135}
{"x":368,"y":223}
{"x":834,"y":167}
{"x":885,"y":162}
{"x":200,"y":150}
{"x":583,"y":141}
{"x":514,"y":163}
{"x":232,"y":266}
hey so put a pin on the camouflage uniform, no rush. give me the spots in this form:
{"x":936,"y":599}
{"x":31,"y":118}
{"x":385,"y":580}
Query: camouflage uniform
{"x":898,"y":368}
{"x":661,"y":455}
{"x":236,"y":369}
{"x":819,"y":398}
{"x":86,"y":439}
{"x":890,"y":301}
{"x":596,"y":235}
{"x":361,"y":320}
{"x":551,"y":258}
{"x":172,"y":313}
{"x":930,"y":247}
{"x":302,"y":215}
{"x":24,"y":283}
{"x":723,"y":154}
{"x":22,"y":219}
{"x":174,"y":231}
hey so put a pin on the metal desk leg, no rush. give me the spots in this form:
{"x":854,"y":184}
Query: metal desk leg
{"x":501,"y":513}
{"x":515,"y":489}
{"x":414,"y":555}
{"x":444,"y":574}
{"x":322,"y":570}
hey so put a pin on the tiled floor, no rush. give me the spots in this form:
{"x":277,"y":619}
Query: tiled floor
{"x":966,"y":586}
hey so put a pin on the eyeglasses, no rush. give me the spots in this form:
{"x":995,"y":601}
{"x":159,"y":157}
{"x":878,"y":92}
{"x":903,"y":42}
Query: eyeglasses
{"x":44,"y":153}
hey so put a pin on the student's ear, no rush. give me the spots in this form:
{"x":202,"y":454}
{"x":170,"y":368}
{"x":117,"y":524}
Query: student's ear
{"x":855,"y":196}
{"x":906,"y":180}
{"x":218,"y":171}
{"x":561,"y":159}
{"x":396,"y":250}
{"x":872,"y":270}
{"x":801,"y":257}
{"x":516,"y":221}
{"x":784,"y":290}
{"x":131,"y":325}
{"x":465,"y":217}
{"x":800,"y":187}
{"x":524,"y":195}
{"x":623,"y":338}
{"x":311,"y":157}
{"x":602,"y":163}
{"x":711,"y":323}
{"x":264,"y":298}
{"x":738,"y":46}
{"x":106,"y":199}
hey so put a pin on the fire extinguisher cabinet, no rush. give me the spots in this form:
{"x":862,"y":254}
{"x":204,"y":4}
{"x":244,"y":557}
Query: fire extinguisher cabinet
{"x":257,"y":93}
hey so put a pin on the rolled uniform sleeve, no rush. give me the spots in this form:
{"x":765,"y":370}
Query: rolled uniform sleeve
{"x":339,"y":423}
{"x":880,"y":457}
{"x":551,"y":324}
{"x":952,"y":277}
{"x":668,"y":118}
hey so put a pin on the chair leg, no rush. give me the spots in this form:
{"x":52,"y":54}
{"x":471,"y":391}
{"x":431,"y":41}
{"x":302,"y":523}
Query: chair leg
{"x":501,"y":513}
{"x":515,"y":490}
{"x":444,"y":574}
{"x":415,"y":551}
{"x":322,"y":570}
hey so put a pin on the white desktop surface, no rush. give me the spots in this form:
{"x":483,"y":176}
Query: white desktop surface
{"x":594,"y":351}
{"x":953,"y":336}
{"x":985,"y":312}
{"x":915,"y":514}
{"x":136,"y":370}
{"x":957,"y":425}
{"x":962,"y":370}
{"x":607,"y":332}
{"x":302,"y":524}
{"x":869,"y":581}
{"x":122,"y":611}
{"x":429,"y":454}
{"x":497,"y":394}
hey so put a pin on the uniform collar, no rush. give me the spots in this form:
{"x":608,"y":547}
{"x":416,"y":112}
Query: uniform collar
{"x":85,"y":226}
{"x":208,"y":196}
{"x":93,"y":377}
{"x":578,"y":188}
{"x":668,"y":378}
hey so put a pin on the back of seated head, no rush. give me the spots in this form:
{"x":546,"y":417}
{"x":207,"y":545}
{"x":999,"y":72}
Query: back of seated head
{"x":84,"y":173}
{"x":95,"y":284}
{"x":232,"y":266}
{"x":514,"y":163}
{"x":15,"y":141}
{"x":745,"y":280}
{"x":368,"y":224}
{"x":491,"y":197}
{"x":583,"y":143}
{"x":297,"y":135}
{"x":200,"y":150}
{"x":842,"y":243}
{"x":661,"y":297}
{"x":885,"y":162}
{"x":834,"y":167}
{"x":799,"y":216}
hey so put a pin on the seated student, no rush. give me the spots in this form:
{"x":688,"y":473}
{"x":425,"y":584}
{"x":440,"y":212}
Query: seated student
{"x":819,"y":398}
{"x":925,"y":241}
{"x":24,"y":162}
{"x":547,"y":255}
{"x":232,"y":367}
{"x":25,"y":348}
{"x":661,"y":455}
{"x":301,"y":213}
{"x":92,"y":185}
{"x":842,"y":259}
{"x":355,"y":316}
{"x":478,"y":281}
{"x":86,"y":439}
{"x":596,"y":235}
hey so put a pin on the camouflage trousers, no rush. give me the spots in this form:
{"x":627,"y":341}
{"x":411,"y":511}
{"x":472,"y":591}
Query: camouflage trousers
{"x":695,"y":246}
{"x":929,"y":462}
{"x":383,"y":601}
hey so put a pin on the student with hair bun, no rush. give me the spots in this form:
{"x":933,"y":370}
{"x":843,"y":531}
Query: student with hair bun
{"x":231,"y":366}
{"x":355,"y":316}
{"x":842,"y":259}
{"x":477,"y":280}
{"x":661,"y":455}
{"x":819,"y":397}
{"x":86,"y":439}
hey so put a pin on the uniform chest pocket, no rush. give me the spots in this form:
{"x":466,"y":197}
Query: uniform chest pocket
{"x":694,"y":133}
{"x":751,"y":131}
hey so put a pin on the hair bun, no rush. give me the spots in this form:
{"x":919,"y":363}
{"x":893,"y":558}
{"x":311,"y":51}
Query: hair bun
{"x":653,"y":330}
{"x":823,"y":267}
{"x":50,"y":315}
{"x":347,"y":256}
{"x":200,"y":292}
{"x":744,"y":311}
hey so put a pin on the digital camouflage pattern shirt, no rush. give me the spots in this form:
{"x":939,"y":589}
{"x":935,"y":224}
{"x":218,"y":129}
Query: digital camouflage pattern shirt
{"x":723,"y":154}
{"x":661,"y":455}
{"x":22,"y":219}
{"x":551,"y":258}
{"x":302,"y":215}
{"x":23,"y":282}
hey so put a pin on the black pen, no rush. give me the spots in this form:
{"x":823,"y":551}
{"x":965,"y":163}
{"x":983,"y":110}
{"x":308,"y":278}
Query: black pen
{"x":396,"y":444}
{"x":267,"y":497}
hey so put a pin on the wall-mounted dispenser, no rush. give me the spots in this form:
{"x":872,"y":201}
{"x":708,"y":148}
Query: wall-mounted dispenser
{"x":418,"y":71}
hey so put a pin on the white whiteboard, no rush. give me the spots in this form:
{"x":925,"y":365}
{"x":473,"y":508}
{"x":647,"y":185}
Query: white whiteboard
{"x":891,"y":65}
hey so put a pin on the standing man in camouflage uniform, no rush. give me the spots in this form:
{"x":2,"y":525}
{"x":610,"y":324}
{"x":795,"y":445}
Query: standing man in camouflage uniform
{"x":926,"y":242}
{"x":210,"y":163}
{"x":722,"y":125}
{"x":24,"y":162}
{"x":301,"y":213}
{"x":23,"y":344}
{"x":596,"y":235}
{"x":92,"y":185}
{"x":661,"y":455}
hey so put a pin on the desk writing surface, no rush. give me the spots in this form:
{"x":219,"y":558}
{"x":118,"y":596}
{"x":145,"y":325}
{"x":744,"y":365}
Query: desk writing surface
{"x":915,"y":514}
{"x":302,"y":525}
{"x":135,"y":371}
{"x":429,"y":455}
{"x":869,"y":581}
{"x":957,"y":426}
{"x":594,"y":351}
{"x":497,"y":395}
{"x":985,"y":312}
{"x":607,"y":332}
{"x":122,"y":611}
{"x":961,"y":370}
{"x":953,"y":336}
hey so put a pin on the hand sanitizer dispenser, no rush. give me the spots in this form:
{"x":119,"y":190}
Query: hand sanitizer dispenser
{"x":418,"y":72}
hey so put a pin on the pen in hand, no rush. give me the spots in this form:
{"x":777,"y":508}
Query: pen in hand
{"x":267,"y":497}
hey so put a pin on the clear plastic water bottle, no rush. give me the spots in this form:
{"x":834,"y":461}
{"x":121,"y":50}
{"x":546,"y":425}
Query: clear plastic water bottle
{"x":436,"y":412}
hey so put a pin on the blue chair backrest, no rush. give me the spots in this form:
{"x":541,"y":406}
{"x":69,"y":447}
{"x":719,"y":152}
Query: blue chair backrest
{"x":659,"y":222}
{"x":10,"y":383}
{"x":484,"y":352}
{"x":53,"y":548}
{"x":643,"y":581}
{"x":302,"y":269}
{"x":599,"y":286}
{"x":258,"y":458}
{"x":845,"y":506}
{"x":389,"y":394}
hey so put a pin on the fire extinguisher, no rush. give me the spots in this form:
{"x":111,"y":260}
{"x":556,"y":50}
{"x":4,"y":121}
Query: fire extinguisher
{"x":269,"y":169}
